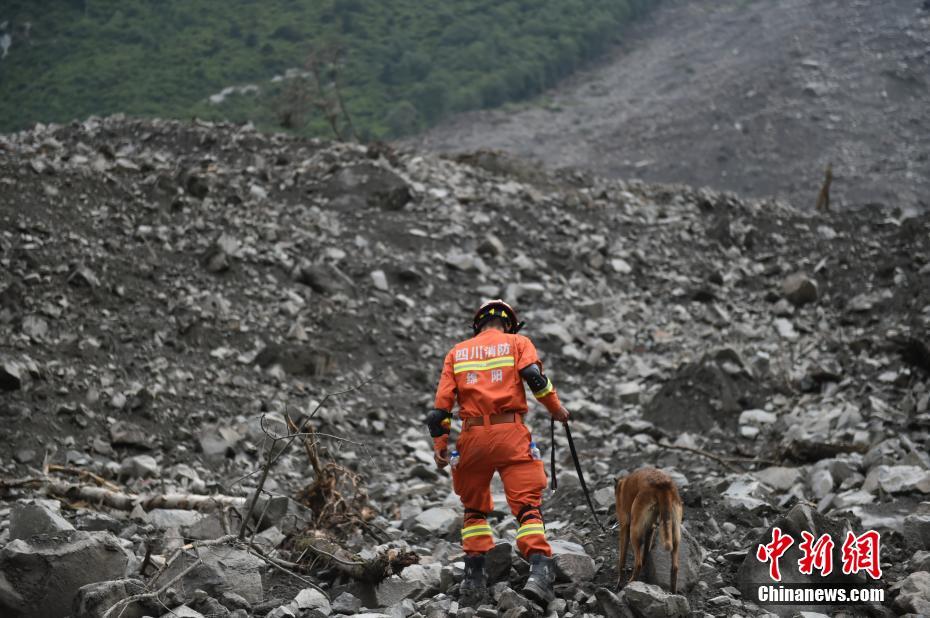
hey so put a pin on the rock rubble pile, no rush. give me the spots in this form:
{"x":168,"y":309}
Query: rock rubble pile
{"x":172,"y":293}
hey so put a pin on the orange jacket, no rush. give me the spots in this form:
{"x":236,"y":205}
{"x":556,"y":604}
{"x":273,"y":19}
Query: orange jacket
{"x":483,"y":373}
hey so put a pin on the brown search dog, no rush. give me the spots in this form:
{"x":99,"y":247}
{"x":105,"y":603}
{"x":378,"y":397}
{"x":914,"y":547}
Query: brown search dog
{"x":646,"y":499}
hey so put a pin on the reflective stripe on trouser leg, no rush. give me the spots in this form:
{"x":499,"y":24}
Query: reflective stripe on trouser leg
{"x":477,"y":536}
{"x":531,"y":535}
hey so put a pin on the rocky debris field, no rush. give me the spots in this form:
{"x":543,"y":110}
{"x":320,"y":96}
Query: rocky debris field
{"x":172,"y":294}
{"x":753,"y":97}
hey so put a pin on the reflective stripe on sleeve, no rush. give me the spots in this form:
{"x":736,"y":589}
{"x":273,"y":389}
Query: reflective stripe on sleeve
{"x":545,"y":391}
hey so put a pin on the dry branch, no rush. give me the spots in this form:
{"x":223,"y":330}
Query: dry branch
{"x":293,"y":432}
{"x":725,"y":461}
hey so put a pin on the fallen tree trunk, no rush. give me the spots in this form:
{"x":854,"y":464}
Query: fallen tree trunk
{"x":123,"y":501}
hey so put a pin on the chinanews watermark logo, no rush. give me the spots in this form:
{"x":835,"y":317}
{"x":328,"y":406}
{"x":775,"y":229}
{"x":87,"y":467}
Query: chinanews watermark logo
{"x":860,"y":554}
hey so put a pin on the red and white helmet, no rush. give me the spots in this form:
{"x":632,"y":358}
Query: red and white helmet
{"x":496,"y":308}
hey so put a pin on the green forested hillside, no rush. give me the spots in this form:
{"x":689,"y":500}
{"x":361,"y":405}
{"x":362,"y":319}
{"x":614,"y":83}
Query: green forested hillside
{"x":406,"y":62}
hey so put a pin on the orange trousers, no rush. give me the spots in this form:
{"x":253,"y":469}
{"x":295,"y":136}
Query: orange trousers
{"x":505,"y":449}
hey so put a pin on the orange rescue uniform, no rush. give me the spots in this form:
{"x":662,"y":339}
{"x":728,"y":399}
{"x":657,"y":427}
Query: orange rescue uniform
{"x":483,"y":375}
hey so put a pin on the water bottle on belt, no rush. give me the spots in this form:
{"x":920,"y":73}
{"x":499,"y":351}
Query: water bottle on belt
{"x":454,"y":459}
{"x":534,"y":452}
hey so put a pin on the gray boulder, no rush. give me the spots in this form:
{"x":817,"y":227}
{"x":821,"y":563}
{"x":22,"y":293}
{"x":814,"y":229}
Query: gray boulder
{"x":286,"y":514}
{"x":913,"y":594}
{"x":395,"y":589}
{"x":799,"y":289}
{"x":648,"y":601}
{"x":572,"y":563}
{"x":93,"y":600}
{"x":40,"y":578}
{"x":139,"y":466}
{"x":42,"y":517}
{"x":346,"y":603}
{"x":223,"y":569}
{"x":313,"y":599}
{"x":437,"y":520}
{"x":611,"y":605}
{"x":498,"y":562}
{"x":894,"y":479}
{"x":657,"y":569}
{"x":917,"y":530}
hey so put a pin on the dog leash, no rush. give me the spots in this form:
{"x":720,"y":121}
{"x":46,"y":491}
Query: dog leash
{"x":584,"y":486}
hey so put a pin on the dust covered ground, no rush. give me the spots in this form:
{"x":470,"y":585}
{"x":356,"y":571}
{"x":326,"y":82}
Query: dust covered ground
{"x":166,"y":285}
{"x":752,"y":97}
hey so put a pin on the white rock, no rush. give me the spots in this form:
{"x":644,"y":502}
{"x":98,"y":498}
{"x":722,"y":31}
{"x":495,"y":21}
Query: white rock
{"x":785,"y":329}
{"x":893,"y":479}
{"x":756,"y":417}
{"x":311,"y":598}
{"x":380,"y":280}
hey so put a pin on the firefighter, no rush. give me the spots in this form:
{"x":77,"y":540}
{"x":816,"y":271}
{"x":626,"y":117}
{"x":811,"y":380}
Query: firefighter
{"x":485,"y":376}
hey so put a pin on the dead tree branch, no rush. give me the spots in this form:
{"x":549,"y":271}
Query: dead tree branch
{"x":287,"y":440}
{"x":725,"y":461}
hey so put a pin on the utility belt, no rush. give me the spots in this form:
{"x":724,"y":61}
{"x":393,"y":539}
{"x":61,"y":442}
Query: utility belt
{"x":492,"y":419}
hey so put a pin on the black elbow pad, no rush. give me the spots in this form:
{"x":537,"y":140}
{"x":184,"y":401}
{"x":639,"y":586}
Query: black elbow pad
{"x":439,"y":423}
{"x":536,"y":380}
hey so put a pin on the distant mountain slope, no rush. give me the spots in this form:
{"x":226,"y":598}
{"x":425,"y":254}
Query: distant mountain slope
{"x":755,"y":97}
{"x":407,"y":62}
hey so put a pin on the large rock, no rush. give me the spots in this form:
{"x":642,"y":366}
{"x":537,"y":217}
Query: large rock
{"x":799,"y":289}
{"x":917,"y":530}
{"x":223,"y":569}
{"x":27,"y":520}
{"x":369,"y":184}
{"x":287,"y":515}
{"x":611,"y":605}
{"x":346,"y":603}
{"x":437,"y":520}
{"x":498,"y":562}
{"x":801,"y":517}
{"x":139,"y":466}
{"x":648,"y":601}
{"x":745,"y":492}
{"x":894,"y":479}
{"x":712,"y":391}
{"x":572,"y":563}
{"x":657,"y":569}
{"x":313,"y":599}
{"x":913,"y":594}
{"x":395,"y":589}
{"x":40,"y":578}
{"x":93,"y":600}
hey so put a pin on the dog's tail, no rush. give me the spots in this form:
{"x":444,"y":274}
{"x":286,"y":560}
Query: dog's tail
{"x":669,"y":513}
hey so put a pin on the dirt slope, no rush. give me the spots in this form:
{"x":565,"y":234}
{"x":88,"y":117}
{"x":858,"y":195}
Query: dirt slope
{"x":754,"y":97}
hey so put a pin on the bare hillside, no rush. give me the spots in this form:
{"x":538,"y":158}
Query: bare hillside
{"x":755,"y":97}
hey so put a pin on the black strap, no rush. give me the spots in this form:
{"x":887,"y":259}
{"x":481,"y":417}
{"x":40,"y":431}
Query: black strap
{"x":527,"y":511}
{"x":553,"y":481}
{"x":584,"y":487}
{"x":480,"y":514}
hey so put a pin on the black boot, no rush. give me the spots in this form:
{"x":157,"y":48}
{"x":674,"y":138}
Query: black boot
{"x":539,"y":585}
{"x":474,"y":588}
